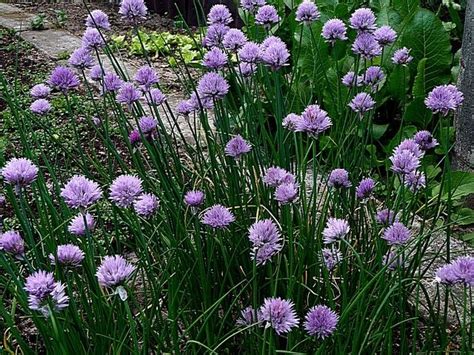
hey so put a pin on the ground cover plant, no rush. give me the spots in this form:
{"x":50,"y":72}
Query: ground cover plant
{"x":287,"y":204}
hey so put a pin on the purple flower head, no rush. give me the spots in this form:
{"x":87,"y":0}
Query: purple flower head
{"x":385,"y":35}
{"x":40,"y":284}
{"x":112,"y":82}
{"x":92,"y":39}
{"x":335,"y":229}
{"x":292,"y":121}
{"x":425,"y":140}
{"x":362,"y":103}
{"x":146,"y":77}
{"x":212,"y":85}
{"x":366,"y":46}
{"x":194,"y":198}
{"x":199,"y":103}
{"x":275,"y":55}
{"x":386,"y":217}
{"x":237,"y":146}
{"x":252,"y":5}
{"x":339,"y":178}
{"x":410,"y":145}
{"x":96,"y":73}
{"x":157,"y":97}
{"x":114,"y":271}
{"x":415,"y":180}
{"x":133,"y":10}
{"x":40,"y":91}
{"x":278,"y":314}
{"x":307,"y":12}
{"x":396,"y":234}
{"x":19,"y":172}
{"x":63,"y":79}
{"x":402,"y":56}
{"x":331,"y":257}
{"x":334,"y":30}
{"x":314,"y":121}
{"x":373,"y":76}
{"x":234,"y":39}
{"x":12,"y":243}
{"x":128,"y":94}
{"x":40,"y":107}
{"x":457,"y":95}
{"x":365,"y":188}
{"x":267,"y":16}
{"x":393,"y":261}
{"x":146,"y":204}
{"x":80,"y":192}
{"x":215,"y":59}
{"x":98,"y":19}
{"x":463,"y":268}
{"x":286,"y":192}
{"x":363,"y":20}
{"x":350,"y":80}
{"x":41,"y":287}
{"x":81,"y":59}
{"x":446,"y":275}
{"x":266,"y":240}
{"x":134,"y":137}
{"x":248,"y":316}
{"x":404,"y":162}
{"x":276,"y":176}
{"x":184,"y":108}
{"x":321,"y":321}
{"x":79,"y":227}
{"x":444,"y":98}
{"x":147,"y":124}
{"x":218,"y":217}
{"x":68,"y":255}
{"x":246,"y":69}
{"x":125,"y":189}
{"x":219,"y":14}
{"x":215,"y":35}
{"x":250,"y":53}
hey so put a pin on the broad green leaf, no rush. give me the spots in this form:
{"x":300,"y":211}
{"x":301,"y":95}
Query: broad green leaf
{"x":406,"y":7}
{"x":398,"y":82}
{"x":419,"y":83}
{"x":416,"y":112}
{"x":464,"y":216}
{"x":378,"y":130}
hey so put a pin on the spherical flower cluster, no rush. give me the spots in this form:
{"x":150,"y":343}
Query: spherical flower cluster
{"x":133,"y":10}
{"x":234,"y":39}
{"x":314,"y":121}
{"x":157,"y":97}
{"x":96,"y":73}
{"x":459,"y":271}
{"x":406,"y":157}
{"x":307,"y":12}
{"x":410,"y":145}
{"x":212,"y":85}
{"x":274,"y":53}
{"x":397,"y":234}
{"x":114,"y":271}
{"x":291,"y":121}
{"x":266,"y":240}
{"x":219,"y":14}
{"x":125,"y":189}
{"x":248,"y":316}
{"x":246,"y":69}
{"x":215,"y":35}
{"x":386,"y":217}
{"x":350,"y":80}
{"x":402,"y":56}
{"x":40,"y":91}
{"x":184,"y":108}
{"x":215,"y":59}
{"x":363,"y":20}
{"x":237,"y":146}
{"x":251,"y":5}
{"x":415,"y":181}
{"x":134,"y":137}
{"x":385,"y":35}
{"x":365,"y":188}
{"x":199,"y":102}
{"x":68,"y":255}
{"x":40,"y":107}
{"x":334,"y":30}
{"x":286,"y":193}
{"x":194,"y":198}
{"x":63,"y":79}
{"x":278,"y":314}
{"x":81,"y":59}
{"x":42,"y":287}
{"x":362,"y":103}
{"x":147,"y":124}
{"x":80,"y":192}
{"x":336,"y":229}
{"x":128,"y":94}
{"x":218,"y":217}
{"x":373,"y":76}
{"x":276,"y":176}
{"x":19,"y":172}
{"x":98,"y":19}
{"x":425,"y":140}
{"x":267,"y":16}
{"x":331,"y":257}
{"x":321,"y":321}
{"x":366,"y":46}
{"x":81,"y":224}
{"x":443,"y":99}
{"x":250,"y":53}
{"x":11,"y":242}
{"x":339,"y":178}
{"x":145,"y":77}
{"x":112,"y":82}
{"x":146,"y":204}
{"x":92,"y":39}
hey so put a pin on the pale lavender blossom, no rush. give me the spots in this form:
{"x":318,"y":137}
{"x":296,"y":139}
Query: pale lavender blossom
{"x":234,"y":39}
{"x":250,"y":53}
{"x":397,"y":234}
{"x":92,"y":39}
{"x":278,"y":314}
{"x":463,"y":268}
{"x":405,"y":162}
{"x":267,"y":16}
{"x":402,"y":56}
{"x":40,"y":91}
{"x":385,"y":35}
{"x":336,"y":229}
{"x":134,"y":137}
{"x":133,"y":10}
{"x":457,"y":95}
{"x":80,"y":192}
{"x":286,"y":193}
{"x":112,"y":82}
{"x":321,"y":321}
{"x":334,"y":30}
{"x":145,"y":77}
{"x":96,"y":73}
{"x":415,"y":181}
{"x":446,"y":275}
{"x":184,"y":108}
{"x":386,"y":217}
{"x":425,"y":140}
{"x":275,"y":55}
{"x":81,"y":59}
{"x":128,"y":94}
{"x":291,"y":122}
{"x":194,"y":198}
{"x":248,"y":316}
{"x":219,"y":14}
{"x":40,"y":107}
{"x":314,"y":121}
{"x":157,"y":97}
{"x":68,"y":255}
{"x":20,"y":172}
{"x":114,"y":271}
{"x":366,"y":46}
{"x":199,"y":103}
{"x":252,"y":5}
{"x":266,"y":240}
{"x":410,"y":145}
{"x":125,"y":189}
{"x":362,"y":103}
{"x":43,"y":290}
{"x":237,"y":147}
{"x":11,"y":242}
{"x":63,"y":79}
{"x":373,"y":76}
{"x":215,"y":35}
{"x":212,"y":85}
{"x":81,"y":224}
{"x":363,"y":20}
{"x":40,"y":284}
{"x":215,"y":59}
{"x":218,"y":217}
{"x":331,"y":257}
{"x":246,"y":69}
{"x":146,"y":204}
{"x":307,"y":12}
{"x":147,"y":124}
{"x":365,"y":188}
{"x":350,"y":80}
{"x":276,"y":176}
{"x":441,"y":100}
{"x":339,"y":178}
{"x":98,"y":19}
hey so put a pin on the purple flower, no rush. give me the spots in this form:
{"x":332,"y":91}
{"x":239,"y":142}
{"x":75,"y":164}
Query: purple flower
{"x":98,"y":19}
{"x":463,"y":268}
{"x":336,"y":229}
{"x":112,"y":82}
{"x":333,"y":30}
{"x":81,"y":224}
{"x":246,"y":69}
{"x":125,"y":189}
{"x":373,"y":76}
{"x":276,"y":176}
{"x":278,"y":314}
{"x":12,"y":243}
{"x":237,"y":146}
{"x":80,"y":192}
{"x":145,"y":77}
{"x":396,"y":234}
{"x":198,"y":103}
{"x":350,"y":80}
{"x":234,"y":39}
{"x":457,"y":95}
{"x":291,"y":121}
{"x":146,"y":204}
{"x":425,"y":140}
{"x":218,"y":217}
{"x":68,"y":255}
{"x":366,"y":46}
{"x":446,"y":275}
{"x":96,"y":73}
{"x":92,"y":39}
{"x":444,"y":98}
{"x":40,"y":107}
{"x":331,"y":257}
{"x":314,"y":121}
{"x":402,"y":56}
{"x":362,"y":103}
{"x":40,"y":286}
{"x":415,"y":180}
{"x":248,"y":316}
{"x":19,"y":172}
{"x":386,"y":217}
{"x":321,"y":321}
{"x":404,"y":162}
{"x":275,"y":55}
{"x":365,"y":188}
{"x":40,"y":91}
{"x":339,"y":178}
{"x":194,"y":198}
{"x":250,"y":53}
{"x":385,"y":35}
{"x":147,"y":124}
{"x":266,"y":240}
{"x":114,"y":271}
{"x":184,"y":108}
{"x":212,"y":85}
{"x":286,"y":193}
{"x":128,"y":94}
{"x":363,"y":20}
{"x":251,"y":5}
{"x":134,"y":137}
{"x":307,"y":12}
{"x":63,"y":79}
{"x":133,"y":10}
{"x":215,"y":59}
{"x":81,"y":59}
{"x":219,"y":14}
{"x":410,"y":145}
{"x":267,"y":16}
{"x":157,"y":97}
{"x":215,"y":35}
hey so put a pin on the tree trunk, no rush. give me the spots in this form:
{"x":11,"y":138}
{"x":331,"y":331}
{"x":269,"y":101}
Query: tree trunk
{"x":464,"y":146}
